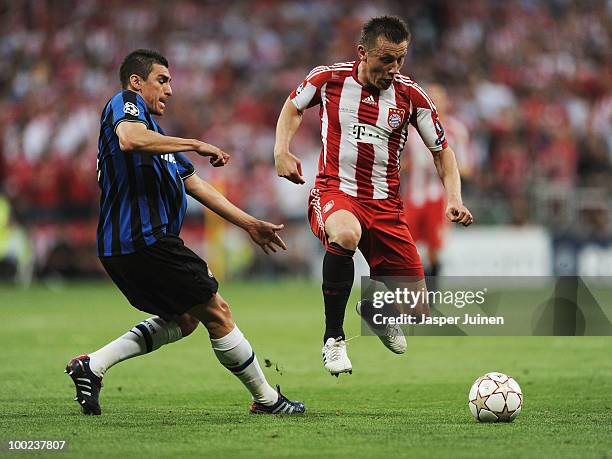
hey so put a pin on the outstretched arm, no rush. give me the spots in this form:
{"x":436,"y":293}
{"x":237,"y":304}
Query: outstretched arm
{"x":287,"y":165}
{"x":134,"y":136}
{"x":446,"y":165}
{"x":261,"y":232}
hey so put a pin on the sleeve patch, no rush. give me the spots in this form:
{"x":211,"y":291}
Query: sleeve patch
{"x":131,"y":109}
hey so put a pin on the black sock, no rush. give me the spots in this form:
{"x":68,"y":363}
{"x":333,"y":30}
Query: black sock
{"x":432,"y":277}
{"x":338,"y":274}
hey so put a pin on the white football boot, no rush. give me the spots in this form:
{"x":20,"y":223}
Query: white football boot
{"x":393,"y":337}
{"x":335,"y":359}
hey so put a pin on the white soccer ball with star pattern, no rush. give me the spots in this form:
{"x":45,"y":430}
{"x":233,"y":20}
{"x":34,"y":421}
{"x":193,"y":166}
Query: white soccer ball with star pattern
{"x":495,"y":397}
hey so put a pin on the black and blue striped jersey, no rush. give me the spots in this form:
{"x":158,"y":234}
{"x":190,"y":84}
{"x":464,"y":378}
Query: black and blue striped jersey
{"x":142,"y":195}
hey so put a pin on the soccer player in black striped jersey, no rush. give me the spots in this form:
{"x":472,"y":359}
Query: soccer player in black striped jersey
{"x":144,"y":177}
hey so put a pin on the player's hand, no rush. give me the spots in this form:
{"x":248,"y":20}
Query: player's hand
{"x":265,"y":235}
{"x":289,"y":167}
{"x":458,"y":213}
{"x":217,"y":156}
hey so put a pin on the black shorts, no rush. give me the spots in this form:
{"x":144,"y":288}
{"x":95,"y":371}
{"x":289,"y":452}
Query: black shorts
{"x":164,"y":279}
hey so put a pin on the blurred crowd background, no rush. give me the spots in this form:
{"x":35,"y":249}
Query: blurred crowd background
{"x":531,"y":80}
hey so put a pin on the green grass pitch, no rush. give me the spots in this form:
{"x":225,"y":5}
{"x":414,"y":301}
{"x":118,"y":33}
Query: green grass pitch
{"x":179,"y":402}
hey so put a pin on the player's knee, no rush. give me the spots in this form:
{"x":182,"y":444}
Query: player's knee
{"x":219,"y":309}
{"x":214,"y":315}
{"x":347,"y":238}
{"x":187,"y":323}
{"x":219,"y":315}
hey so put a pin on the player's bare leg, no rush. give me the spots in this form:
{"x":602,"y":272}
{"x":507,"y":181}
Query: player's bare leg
{"x":343,"y":228}
{"x":236,"y":354}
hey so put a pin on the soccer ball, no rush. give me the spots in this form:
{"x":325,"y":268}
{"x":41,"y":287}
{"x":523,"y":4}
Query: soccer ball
{"x":495,"y":397}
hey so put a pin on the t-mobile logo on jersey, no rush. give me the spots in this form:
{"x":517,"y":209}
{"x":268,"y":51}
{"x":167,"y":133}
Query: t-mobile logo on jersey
{"x":358,"y":131}
{"x":367,"y":133}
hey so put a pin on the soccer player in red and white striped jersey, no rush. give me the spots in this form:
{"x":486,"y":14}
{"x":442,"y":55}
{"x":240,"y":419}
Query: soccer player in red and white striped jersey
{"x":365,"y":108}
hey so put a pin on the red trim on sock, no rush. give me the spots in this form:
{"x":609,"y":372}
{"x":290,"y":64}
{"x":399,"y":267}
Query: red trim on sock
{"x":337,"y":249}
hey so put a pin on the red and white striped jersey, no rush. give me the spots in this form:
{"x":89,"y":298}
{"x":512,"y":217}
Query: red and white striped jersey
{"x":364,"y":130}
{"x":422,"y":184}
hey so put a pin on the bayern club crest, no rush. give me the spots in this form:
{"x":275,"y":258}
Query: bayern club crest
{"x":395,"y":118}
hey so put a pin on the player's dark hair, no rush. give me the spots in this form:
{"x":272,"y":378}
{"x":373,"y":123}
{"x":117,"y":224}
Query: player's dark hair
{"x":139,"y":62}
{"x":391,"y":28}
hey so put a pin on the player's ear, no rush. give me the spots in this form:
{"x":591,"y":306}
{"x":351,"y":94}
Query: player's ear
{"x":135,"y":82}
{"x":361,"y":51}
